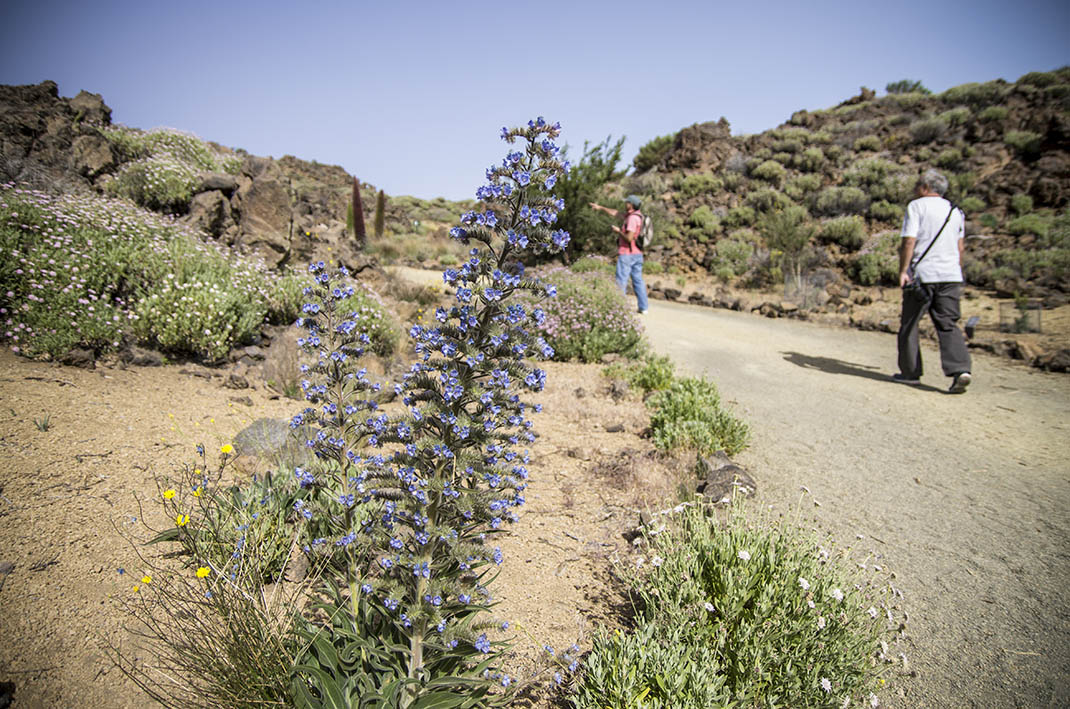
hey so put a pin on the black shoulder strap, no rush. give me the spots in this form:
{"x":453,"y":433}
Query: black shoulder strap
{"x":914,"y":266}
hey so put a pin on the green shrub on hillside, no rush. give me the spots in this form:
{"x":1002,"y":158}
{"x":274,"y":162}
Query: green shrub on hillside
{"x":848,"y":232}
{"x":1025,"y":142}
{"x":956,"y":117}
{"x":1044,"y":79}
{"x":878,"y":262}
{"x":869,"y":143}
{"x":770,"y":171}
{"x":885,"y":211}
{"x":733,"y":255}
{"x":704,"y":224}
{"x":651,"y":154}
{"x":799,"y":187}
{"x":694,"y":185}
{"x":972,"y":205}
{"x":810,"y":160}
{"x":949,"y":159}
{"x":993,"y":114}
{"x":988,"y":221}
{"x":1021,"y":204}
{"x":834,"y":201}
{"x":767,"y":200}
{"x":1033,"y":223}
{"x":789,"y":145}
{"x":926,"y":130}
{"x":739,"y":217}
{"x":976,"y":95}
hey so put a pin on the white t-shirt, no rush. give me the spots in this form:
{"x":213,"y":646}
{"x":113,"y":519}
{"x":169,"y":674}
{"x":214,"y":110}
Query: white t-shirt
{"x":922,"y":221}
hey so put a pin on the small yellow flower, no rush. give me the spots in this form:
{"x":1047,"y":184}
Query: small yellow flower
{"x":196,"y":471}
{"x":203,"y":571}
{"x":146,"y":579}
{"x":136,"y":588}
{"x":182,"y":520}
{"x":227,"y":449}
{"x":196,"y":492}
{"x":168,"y":494}
{"x":170,"y":416}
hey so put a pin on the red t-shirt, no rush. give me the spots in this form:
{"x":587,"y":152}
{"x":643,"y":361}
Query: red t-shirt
{"x":632,"y":223}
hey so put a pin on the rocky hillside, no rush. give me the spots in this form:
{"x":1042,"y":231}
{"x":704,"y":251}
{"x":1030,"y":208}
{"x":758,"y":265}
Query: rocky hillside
{"x":287,"y":211}
{"x":1003,"y":145}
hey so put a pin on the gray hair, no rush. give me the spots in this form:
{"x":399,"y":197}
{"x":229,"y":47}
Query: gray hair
{"x":934,"y":181}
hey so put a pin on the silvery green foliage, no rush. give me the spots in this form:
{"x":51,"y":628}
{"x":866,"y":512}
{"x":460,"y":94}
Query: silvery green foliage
{"x":405,"y":507}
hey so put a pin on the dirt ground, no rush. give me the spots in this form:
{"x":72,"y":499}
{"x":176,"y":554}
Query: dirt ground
{"x":69,"y":500}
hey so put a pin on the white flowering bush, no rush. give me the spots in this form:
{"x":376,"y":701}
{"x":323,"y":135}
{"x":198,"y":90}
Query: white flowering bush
{"x":161,"y":166}
{"x":81,"y":271}
{"x":778,"y":618}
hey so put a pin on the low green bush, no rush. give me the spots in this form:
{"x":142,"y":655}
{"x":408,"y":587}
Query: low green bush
{"x":907,"y":86}
{"x":810,"y":160}
{"x":972,"y":205}
{"x":988,"y":221}
{"x":848,"y":232}
{"x":1021,"y":204}
{"x":926,"y":130}
{"x":949,"y":159}
{"x":976,"y":95}
{"x":753,"y":612}
{"x":688,"y":415}
{"x":1033,"y":223}
{"x":704,"y":224}
{"x":877,"y":263}
{"x":771,"y":171}
{"x":885,"y":211}
{"x":834,"y":201}
{"x":790,"y":144}
{"x":732,"y":257}
{"x":994,"y":114}
{"x":767,"y":200}
{"x":589,"y":317}
{"x":739,"y":217}
{"x":651,"y":373}
{"x":869,"y":143}
{"x":798,"y":187}
{"x":956,"y":117}
{"x":694,"y":185}
{"x":1025,"y":142}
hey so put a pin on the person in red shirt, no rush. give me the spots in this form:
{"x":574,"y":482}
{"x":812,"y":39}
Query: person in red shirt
{"x":629,"y":255}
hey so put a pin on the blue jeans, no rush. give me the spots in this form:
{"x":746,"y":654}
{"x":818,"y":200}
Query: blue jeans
{"x":631,"y":265}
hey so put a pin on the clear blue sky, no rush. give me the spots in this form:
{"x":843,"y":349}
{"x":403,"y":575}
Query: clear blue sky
{"x":410,"y":96}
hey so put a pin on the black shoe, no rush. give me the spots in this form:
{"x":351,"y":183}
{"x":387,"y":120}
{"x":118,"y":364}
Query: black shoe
{"x":903,"y":379}
{"x":959,"y":383}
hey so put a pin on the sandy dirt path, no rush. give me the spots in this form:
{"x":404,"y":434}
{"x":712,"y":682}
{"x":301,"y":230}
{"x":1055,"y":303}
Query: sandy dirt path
{"x":965,"y":498}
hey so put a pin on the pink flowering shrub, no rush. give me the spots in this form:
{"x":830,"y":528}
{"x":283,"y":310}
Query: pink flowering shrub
{"x":589,"y":317}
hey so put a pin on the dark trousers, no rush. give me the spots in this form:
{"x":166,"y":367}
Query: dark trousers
{"x":942,"y":304}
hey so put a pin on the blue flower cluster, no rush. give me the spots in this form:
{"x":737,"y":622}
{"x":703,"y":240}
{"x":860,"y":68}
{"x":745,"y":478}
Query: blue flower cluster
{"x":412,"y":499}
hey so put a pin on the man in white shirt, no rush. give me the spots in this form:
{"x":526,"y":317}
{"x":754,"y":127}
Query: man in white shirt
{"x":930,"y":274}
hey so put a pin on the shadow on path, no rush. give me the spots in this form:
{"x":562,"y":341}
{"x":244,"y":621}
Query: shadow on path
{"x":838,"y":366}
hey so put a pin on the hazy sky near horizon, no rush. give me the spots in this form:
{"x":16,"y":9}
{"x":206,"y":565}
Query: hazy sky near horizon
{"x":410,"y":96}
